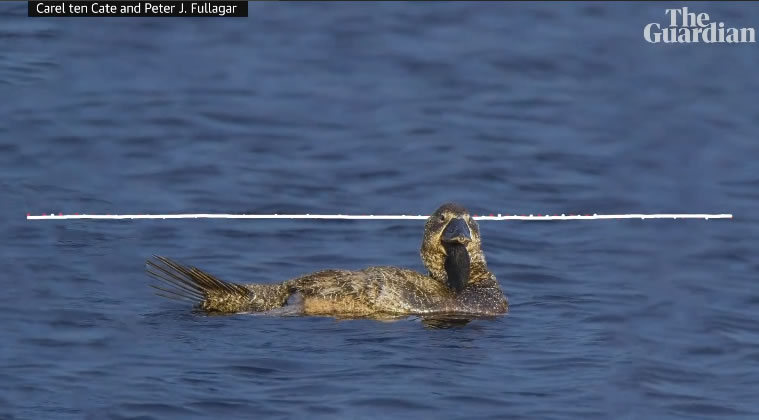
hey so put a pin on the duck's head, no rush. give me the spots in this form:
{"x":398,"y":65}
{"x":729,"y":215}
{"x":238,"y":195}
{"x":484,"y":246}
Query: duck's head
{"x":451,"y":248}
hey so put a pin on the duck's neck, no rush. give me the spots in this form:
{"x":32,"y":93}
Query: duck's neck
{"x":457,"y":265}
{"x":458,"y":269}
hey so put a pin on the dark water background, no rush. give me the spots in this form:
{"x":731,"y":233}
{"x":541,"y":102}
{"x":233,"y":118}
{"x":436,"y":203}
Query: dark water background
{"x":380,"y":108}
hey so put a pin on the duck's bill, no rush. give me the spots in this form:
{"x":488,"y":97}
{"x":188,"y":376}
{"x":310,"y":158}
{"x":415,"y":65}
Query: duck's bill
{"x":457,"y":232}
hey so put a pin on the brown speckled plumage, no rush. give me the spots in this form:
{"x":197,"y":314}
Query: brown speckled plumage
{"x":374,"y":291}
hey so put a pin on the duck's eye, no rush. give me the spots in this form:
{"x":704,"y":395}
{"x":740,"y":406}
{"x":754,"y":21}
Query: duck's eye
{"x":442,"y":218}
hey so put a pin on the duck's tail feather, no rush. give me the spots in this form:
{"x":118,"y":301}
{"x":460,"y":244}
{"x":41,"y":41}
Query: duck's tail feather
{"x":190,"y":284}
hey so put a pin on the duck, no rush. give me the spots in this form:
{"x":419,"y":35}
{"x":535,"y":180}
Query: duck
{"x":457,"y":283}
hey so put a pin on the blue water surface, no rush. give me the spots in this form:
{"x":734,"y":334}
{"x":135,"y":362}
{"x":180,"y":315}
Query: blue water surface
{"x":380,"y":108}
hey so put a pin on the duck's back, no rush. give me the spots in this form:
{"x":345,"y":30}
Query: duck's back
{"x":371,"y":291}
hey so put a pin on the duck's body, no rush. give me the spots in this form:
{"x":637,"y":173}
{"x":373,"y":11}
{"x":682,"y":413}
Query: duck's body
{"x":458,"y":283}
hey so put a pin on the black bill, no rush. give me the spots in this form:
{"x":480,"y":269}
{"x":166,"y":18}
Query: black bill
{"x":457,"y":231}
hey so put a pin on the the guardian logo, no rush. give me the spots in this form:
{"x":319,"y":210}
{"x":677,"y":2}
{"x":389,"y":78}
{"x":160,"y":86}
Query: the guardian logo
{"x":686,"y":27}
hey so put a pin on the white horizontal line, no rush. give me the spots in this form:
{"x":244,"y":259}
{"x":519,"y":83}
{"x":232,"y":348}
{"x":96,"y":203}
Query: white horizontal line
{"x":537,"y":217}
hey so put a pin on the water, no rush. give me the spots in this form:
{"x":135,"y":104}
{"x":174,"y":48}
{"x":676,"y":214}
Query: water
{"x":380,"y":108}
